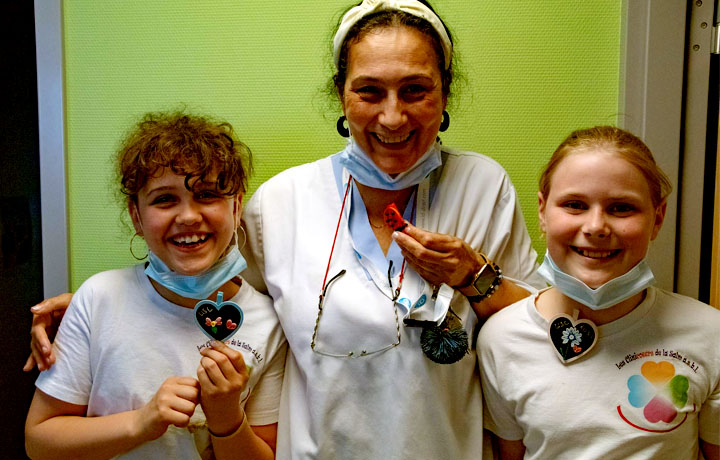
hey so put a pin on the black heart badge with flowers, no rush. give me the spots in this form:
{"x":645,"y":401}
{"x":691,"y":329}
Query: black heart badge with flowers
{"x":219,"y":319}
{"x":572,"y":338}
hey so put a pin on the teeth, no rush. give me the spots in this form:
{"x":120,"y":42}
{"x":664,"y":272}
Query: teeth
{"x":393,"y":139}
{"x":189,"y":239}
{"x":595,"y":254}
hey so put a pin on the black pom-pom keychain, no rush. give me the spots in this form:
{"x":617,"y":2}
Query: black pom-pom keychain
{"x":446,"y":343}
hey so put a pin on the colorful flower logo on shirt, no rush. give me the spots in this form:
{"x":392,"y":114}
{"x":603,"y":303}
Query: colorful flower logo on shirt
{"x":658,"y":391}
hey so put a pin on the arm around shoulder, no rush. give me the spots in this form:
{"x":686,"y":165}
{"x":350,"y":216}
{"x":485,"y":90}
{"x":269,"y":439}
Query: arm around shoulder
{"x":46,"y":319}
{"x":507,"y":293}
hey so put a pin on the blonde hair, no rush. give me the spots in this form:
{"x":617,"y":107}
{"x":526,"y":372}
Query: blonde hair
{"x":616,"y":141}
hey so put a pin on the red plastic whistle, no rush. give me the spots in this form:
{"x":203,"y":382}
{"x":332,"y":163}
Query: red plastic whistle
{"x":393,"y":218}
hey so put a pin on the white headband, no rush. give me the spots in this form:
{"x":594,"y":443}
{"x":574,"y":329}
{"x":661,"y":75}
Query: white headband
{"x":412,"y":7}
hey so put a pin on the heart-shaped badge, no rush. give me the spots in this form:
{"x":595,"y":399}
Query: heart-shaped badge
{"x":218,"y":319}
{"x":572,"y":338}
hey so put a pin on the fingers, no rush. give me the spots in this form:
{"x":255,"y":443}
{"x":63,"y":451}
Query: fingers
{"x":29,"y":364}
{"x":40,"y":346}
{"x":57,"y":303}
{"x":172,"y":404}
{"x":46,"y":317}
{"x":437,"y":257}
{"x":223,"y":376}
{"x":175,"y":401}
{"x":184,"y":394}
{"x":433,"y":250}
{"x":223,"y":367}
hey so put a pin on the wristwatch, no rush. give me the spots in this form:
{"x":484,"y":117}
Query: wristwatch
{"x":485,"y":281}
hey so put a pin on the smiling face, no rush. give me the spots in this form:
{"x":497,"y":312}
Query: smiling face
{"x":598,"y":216}
{"x":393,"y":97}
{"x":189,"y":230}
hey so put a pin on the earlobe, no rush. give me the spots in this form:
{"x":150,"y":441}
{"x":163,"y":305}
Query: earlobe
{"x":659,"y":219}
{"x":541,"y":211}
{"x":135,"y":217}
{"x":237,"y":210}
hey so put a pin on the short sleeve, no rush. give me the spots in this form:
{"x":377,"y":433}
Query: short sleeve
{"x":709,"y":424}
{"x":253,"y":250}
{"x":499,"y":411}
{"x":263,"y":406}
{"x":69,"y":379}
{"x":514,"y":253}
{"x":489,"y":218}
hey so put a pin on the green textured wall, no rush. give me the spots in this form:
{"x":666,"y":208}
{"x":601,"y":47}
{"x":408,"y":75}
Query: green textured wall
{"x":533,"y":74}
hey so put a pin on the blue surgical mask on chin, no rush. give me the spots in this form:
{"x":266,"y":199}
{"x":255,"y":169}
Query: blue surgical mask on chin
{"x":198,"y":286}
{"x":613,"y":292}
{"x":366,"y":172}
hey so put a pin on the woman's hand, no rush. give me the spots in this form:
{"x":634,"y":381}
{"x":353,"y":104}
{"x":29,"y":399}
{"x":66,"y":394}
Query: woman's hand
{"x":437,"y":257}
{"x":440,"y":258}
{"x":46,"y":319}
{"x":223,"y":377}
{"x":173,"y":404}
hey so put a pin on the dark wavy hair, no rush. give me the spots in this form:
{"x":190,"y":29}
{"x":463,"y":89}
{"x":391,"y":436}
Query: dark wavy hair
{"x":195,"y":146}
{"x":392,"y":18}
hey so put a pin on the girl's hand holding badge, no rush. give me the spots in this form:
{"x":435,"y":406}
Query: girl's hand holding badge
{"x":223,"y":376}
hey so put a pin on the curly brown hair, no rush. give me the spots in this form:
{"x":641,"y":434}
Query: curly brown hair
{"x":195,"y":146}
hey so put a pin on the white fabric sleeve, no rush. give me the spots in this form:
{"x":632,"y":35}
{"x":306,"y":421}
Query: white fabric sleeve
{"x":263,"y":406}
{"x":514,"y":253}
{"x":709,"y":421}
{"x":253,"y":250}
{"x":69,"y":379}
{"x":476,"y":201}
{"x":499,"y":413}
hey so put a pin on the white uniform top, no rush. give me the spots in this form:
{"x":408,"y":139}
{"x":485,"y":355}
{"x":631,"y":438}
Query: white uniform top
{"x":651,"y":383}
{"x":395,"y":404}
{"x":120,"y":340}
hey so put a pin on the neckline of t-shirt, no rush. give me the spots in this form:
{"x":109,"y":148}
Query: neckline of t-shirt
{"x":606,"y":330}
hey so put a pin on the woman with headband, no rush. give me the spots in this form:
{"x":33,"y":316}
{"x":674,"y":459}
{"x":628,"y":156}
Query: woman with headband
{"x":379,"y":319}
{"x":379,"y":303}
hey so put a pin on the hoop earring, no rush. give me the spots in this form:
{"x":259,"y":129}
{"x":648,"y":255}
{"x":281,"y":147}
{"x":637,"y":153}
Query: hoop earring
{"x":240,"y":248}
{"x":131,"y":249}
{"x":341,"y":129}
{"x":445,"y":123}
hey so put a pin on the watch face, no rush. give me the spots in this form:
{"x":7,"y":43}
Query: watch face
{"x":485,"y":279}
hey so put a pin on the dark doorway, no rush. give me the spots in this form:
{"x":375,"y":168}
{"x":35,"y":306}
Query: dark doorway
{"x":20,"y":248}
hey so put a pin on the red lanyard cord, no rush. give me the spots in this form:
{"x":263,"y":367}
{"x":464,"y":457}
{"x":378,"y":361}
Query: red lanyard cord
{"x":332,"y":249}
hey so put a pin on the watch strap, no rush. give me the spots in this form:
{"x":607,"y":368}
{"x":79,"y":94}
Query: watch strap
{"x":493,"y":286}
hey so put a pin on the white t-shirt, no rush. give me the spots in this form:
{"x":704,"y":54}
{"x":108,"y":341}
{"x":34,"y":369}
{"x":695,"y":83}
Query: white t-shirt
{"x":395,"y":404}
{"x":120,"y":340}
{"x":651,"y":383}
